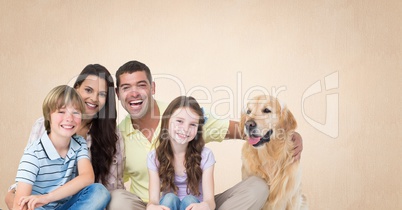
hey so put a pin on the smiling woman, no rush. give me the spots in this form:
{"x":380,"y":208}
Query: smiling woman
{"x":93,"y":91}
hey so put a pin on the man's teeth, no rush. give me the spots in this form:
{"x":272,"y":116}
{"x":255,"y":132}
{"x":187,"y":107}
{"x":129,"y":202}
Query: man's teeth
{"x":138,"y":102}
{"x":67,"y":126}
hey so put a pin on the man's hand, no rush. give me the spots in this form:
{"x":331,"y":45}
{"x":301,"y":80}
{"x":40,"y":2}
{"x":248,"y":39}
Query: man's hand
{"x":297,"y":139}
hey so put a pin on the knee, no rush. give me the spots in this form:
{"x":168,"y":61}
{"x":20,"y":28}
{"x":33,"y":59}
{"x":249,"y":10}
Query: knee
{"x":123,"y":199}
{"x":169,"y":200}
{"x":257,"y":188}
{"x":190,"y":199}
{"x":99,"y":192}
{"x":170,"y":197}
{"x":118,"y":195}
{"x":187,"y":200}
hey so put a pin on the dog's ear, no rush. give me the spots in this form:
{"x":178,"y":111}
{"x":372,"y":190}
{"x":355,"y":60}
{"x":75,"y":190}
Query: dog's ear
{"x":287,"y":120}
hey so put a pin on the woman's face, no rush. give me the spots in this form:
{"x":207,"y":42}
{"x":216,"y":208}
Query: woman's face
{"x":93,"y":91}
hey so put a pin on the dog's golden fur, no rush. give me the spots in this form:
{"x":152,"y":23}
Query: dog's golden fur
{"x":273,"y":160}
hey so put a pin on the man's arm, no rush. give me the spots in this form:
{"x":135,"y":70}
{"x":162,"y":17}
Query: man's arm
{"x":234,"y":130}
{"x":298,"y":145}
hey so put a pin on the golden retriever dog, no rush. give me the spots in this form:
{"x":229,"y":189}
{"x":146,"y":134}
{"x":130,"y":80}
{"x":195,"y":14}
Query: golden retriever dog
{"x":268,"y":152}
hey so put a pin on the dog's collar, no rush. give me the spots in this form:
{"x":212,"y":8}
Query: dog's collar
{"x":265,"y":139}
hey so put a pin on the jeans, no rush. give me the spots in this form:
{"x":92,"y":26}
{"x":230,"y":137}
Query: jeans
{"x":92,"y":197}
{"x":173,"y":202}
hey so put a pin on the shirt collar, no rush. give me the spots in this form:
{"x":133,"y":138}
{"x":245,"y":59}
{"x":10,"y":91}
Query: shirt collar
{"x":51,"y":151}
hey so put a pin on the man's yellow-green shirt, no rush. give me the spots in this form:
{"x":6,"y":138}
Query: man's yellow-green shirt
{"x":137,"y":148}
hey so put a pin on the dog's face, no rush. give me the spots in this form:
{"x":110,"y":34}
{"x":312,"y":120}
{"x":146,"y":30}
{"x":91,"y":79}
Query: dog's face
{"x":264,"y":118}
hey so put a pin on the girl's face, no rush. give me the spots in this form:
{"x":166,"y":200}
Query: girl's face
{"x":183,"y":125}
{"x":65,"y":121}
{"x":93,"y":91}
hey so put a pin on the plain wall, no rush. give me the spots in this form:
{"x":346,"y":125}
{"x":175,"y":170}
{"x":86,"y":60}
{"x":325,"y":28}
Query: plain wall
{"x":336,"y":64}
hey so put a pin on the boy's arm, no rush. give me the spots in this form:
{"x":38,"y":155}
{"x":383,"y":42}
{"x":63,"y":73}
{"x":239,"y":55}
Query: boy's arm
{"x":85,"y":177}
{"x":24,"y":189}
{"x":24,"y":198}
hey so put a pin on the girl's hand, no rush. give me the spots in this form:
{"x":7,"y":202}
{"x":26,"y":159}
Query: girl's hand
{"x":198,"y":206}
{"x":156,"y":207}
{"x":32,"y":201}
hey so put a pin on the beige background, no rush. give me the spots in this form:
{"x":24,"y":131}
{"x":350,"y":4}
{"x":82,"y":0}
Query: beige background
{"x":219,"y":51}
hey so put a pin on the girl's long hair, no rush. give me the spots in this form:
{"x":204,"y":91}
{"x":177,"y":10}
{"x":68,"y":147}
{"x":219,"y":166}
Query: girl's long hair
{"x":103,"y":126}
{"x":164,"y":152}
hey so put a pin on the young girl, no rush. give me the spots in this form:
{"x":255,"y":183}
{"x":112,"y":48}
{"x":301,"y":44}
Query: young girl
{"x":181,"y":167}
{"x":55,"y":171}
{"x":96,"y":87}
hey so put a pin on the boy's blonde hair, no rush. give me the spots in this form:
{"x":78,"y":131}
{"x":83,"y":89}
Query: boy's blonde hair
{"x":59,"y":97}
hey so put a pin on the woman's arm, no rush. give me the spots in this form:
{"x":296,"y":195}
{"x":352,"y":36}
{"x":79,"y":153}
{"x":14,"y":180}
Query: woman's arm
{"x":121,"y":158}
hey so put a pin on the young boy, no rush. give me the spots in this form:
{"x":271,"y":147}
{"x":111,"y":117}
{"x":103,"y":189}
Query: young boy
{"x":55,"y":171}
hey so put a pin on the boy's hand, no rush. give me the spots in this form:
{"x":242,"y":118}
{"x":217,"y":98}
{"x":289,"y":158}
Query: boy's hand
{"x":32,"y":201}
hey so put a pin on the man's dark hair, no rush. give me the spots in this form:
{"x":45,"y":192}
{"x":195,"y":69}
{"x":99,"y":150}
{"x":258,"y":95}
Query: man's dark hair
{"x":131,"y":67}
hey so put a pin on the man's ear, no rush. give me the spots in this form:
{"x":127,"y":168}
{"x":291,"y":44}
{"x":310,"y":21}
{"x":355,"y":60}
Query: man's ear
{"x":117,"y":93}
{"x":153,"y":85}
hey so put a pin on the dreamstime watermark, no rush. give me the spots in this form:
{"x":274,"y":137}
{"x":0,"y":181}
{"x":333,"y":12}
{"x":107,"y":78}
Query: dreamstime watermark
{"x":235,"y":99}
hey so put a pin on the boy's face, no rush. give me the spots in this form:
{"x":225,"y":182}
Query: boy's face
{"x":64,"y":122}
{"x":135,"y":93}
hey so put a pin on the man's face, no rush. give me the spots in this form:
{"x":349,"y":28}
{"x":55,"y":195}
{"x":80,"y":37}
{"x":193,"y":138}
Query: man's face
{"x":135,"y":93}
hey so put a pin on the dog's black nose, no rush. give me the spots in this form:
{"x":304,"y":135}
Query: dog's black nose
{"x":250,"y":125}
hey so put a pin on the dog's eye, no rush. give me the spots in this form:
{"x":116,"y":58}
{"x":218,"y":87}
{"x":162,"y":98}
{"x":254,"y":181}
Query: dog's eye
{"x":266,"y":110}
{"x":248,"y":111}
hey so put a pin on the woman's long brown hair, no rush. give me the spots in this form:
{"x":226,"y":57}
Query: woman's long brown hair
{"x":103,"y":127}
{"x":164,"y":152}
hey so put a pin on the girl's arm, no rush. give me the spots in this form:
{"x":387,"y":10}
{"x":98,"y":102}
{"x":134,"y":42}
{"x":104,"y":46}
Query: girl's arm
{"x":154,"y":191}
{"x":208,"y":192}
{"x":208,"y":185}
